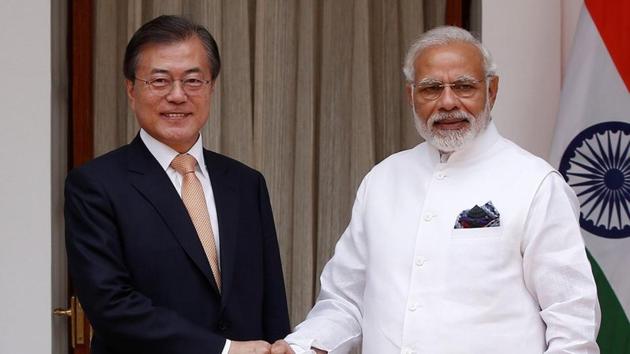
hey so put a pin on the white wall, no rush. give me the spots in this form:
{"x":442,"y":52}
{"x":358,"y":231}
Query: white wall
{"x":25,"y":173}
{"x":530,"y":41}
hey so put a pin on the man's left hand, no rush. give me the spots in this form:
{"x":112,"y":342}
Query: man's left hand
{"x":281,"y":347}
{"x":255,"y":346}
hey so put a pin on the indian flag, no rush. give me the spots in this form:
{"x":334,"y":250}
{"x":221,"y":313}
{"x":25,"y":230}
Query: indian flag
{"x":591,"y":149}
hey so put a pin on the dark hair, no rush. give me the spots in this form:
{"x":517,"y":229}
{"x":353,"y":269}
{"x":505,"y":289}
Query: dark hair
{"x":169,"y":29}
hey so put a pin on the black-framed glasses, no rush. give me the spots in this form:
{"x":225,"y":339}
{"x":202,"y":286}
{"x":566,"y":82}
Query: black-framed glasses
{"x":432,"y":90}
{"x":163,"y":85}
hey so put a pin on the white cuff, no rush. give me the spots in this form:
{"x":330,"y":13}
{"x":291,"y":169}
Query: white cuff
{"x":303,"y":346}
{"x":226,"y":348}
{"x":299,"y":350}
{"x":300,"y":345}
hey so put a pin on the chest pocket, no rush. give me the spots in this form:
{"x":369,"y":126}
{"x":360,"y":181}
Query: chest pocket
{"x":477,"y":233}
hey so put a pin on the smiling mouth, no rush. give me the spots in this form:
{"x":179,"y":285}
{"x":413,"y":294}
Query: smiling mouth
{"x":451,"y":124}
{"x":175,"y":115}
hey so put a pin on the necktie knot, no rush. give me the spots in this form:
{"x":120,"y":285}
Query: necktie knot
{"x":184,"y":163}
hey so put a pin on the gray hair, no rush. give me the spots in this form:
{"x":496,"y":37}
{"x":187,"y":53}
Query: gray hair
{"x":442,"y":36}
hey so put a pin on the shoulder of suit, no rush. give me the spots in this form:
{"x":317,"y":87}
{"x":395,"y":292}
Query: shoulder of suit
{"x":104,"y":170}
{"x":106,"y":162}
{"x":217,"y":160}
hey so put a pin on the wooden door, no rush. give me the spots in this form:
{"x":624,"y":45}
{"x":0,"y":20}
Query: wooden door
{"x":80,"y":143}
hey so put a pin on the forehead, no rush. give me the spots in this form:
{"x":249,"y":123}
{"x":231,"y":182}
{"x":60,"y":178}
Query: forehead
{"x":176,"y":57}
{"x":449,"y":61}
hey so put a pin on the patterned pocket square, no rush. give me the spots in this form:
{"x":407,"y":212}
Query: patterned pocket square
{"x":478,"y":216}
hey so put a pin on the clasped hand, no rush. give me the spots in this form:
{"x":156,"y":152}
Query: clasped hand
{"x":260,"y":347}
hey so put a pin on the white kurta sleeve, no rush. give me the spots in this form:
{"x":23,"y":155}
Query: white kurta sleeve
{"x":557,"y":272}
{"x":334,"y":323}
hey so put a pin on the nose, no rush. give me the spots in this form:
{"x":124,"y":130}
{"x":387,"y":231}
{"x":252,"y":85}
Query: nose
{"x":177,"y":93}
{"x":448,"y":101}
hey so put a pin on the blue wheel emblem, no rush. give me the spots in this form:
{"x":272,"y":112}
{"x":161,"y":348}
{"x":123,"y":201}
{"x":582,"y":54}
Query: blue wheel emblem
{"x":596,"y":164}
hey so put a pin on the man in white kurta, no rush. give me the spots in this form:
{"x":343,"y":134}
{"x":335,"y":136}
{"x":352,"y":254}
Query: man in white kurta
{"x":407,"y":277}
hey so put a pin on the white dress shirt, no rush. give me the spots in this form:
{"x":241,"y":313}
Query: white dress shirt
{"x":164,"y":154}
{"x":404,"y":280}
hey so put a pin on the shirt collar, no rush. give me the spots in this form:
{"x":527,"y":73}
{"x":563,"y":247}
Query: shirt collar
{"x":471,"y":151}
{"x":164,"y":154}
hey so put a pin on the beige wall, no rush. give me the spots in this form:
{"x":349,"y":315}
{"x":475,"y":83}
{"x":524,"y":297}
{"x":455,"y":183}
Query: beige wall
{"x":25,"y":192}
{"x":525,"y":39}
{"x":570,"y":14}
{"x":530,"y":41}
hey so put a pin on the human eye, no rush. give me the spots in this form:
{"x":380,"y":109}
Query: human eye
{"x":464,"y":87}
{"x":193,"y":82}
{"x":431,"y":89}
{"x":160,"y":82}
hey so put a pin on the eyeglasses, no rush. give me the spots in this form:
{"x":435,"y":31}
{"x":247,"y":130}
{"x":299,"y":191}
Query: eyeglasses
{"x":163,"y":85}
{"x":431,"y":91}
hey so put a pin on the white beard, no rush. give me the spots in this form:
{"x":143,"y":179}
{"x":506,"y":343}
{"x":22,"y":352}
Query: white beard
{"x":452,"y":140}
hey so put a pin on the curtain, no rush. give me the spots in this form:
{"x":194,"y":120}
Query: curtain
{"x":311,"y":93}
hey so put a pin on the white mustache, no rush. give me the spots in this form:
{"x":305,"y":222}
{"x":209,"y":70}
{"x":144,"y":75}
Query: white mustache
{"x":446,"y":116}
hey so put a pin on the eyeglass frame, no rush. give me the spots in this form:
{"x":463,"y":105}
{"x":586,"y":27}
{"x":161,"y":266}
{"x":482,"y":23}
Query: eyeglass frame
{"x":472,"y":81}
{"x":171,"y":85}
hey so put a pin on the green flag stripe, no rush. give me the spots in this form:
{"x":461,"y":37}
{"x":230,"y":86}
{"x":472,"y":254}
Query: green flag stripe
{"x":614,"y":333}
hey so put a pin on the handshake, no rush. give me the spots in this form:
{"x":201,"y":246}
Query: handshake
{"x":262,"y":347}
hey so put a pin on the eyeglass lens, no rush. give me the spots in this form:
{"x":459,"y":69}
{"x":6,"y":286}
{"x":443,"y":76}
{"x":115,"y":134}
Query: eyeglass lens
{"x":434,"y":91}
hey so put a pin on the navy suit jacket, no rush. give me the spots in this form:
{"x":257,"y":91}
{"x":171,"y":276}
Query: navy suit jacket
{"x":140,"y":271}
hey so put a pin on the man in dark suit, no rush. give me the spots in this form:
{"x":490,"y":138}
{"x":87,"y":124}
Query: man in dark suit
{"x":172,"y":248}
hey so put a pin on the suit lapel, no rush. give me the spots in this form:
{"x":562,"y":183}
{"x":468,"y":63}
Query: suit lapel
{"x":148,"y":177}
{"x":225,"y":190}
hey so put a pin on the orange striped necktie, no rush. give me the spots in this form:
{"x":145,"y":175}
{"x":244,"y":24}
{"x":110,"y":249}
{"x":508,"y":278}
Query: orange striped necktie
{"x":195,"y":202}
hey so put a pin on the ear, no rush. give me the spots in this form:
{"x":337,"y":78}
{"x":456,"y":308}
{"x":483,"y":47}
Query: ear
{"x":493,"y":88}
{"x":409,"y":94}
{"x":213,"y":85}
{"x":131,"y":92}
